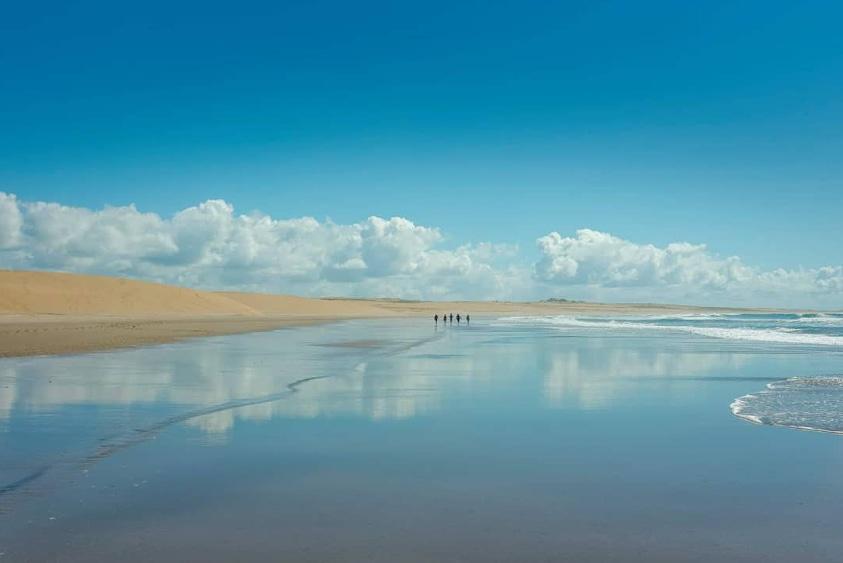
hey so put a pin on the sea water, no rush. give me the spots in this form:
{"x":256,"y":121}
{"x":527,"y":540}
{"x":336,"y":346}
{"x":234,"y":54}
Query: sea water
{"x":806,"y":402}
{"x":541,"y":438}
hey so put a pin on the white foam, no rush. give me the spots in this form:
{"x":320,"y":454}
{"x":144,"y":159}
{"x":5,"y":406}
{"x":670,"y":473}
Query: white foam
{"x":803,"y":403}
{"x":766,"y":335}
{"x":781,"y":335}
{"x":739,"y":406}
{"x":818,"y":319}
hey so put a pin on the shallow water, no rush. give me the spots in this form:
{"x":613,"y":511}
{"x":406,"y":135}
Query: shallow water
{"x":392,"y":441}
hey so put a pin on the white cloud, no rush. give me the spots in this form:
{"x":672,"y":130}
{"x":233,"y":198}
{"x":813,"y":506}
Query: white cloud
{"x":211,"y":246}
{"x":597,"y":260}
{"x":11,"y":221}
{"x":112,"y":240}
{"x":208,"y":245}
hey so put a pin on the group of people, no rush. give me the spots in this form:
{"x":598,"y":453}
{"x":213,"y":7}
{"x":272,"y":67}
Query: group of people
{"x":449,"y":317}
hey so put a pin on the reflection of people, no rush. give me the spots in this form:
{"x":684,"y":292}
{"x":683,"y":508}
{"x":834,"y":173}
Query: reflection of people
{"x":458,"y":318}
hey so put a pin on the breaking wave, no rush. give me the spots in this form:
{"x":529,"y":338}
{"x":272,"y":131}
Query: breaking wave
{"x":804,"y":403}
{"x":809,"y":329}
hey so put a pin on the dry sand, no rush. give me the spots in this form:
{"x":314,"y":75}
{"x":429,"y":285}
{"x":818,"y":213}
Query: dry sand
{"x":58,"y":313}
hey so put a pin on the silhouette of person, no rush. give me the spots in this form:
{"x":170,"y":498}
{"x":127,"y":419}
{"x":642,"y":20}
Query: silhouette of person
{"x":467,"y":319}
{"x":458,"y":318}
{"x":452,"y":318}
{"x":436,"y":319}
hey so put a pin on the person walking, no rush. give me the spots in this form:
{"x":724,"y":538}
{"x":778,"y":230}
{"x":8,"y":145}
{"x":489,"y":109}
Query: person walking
{"x":451,"y":316}
{"x":436,"y":319}
{"x":467,"y":318}
{"x":458,"y":318}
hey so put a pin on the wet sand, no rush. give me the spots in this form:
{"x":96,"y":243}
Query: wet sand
{"x":35,"y":336}
{"x":492,"y":443}
{"x":57,"y":313}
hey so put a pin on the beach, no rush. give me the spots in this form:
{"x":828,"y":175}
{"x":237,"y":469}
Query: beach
{"x":141,"y":421}
{"x":518,"y":438}
{"x":56,"y":313}
{"x":459,"y":282}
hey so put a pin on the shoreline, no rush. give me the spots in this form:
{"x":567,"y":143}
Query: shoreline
{"x":29,"y":337}
{"x":49,"y":313}
{"x":57,"y":334}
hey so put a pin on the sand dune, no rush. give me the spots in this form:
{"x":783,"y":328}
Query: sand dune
{"x":53,"y":293}
{"x":55,"y":313}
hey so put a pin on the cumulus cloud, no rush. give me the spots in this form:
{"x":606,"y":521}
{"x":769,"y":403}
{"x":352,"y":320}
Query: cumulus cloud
{"x":600,"y":260}
{"x":596,"y":258}
{"x":209,"y":245}
{"x":11,"y":221}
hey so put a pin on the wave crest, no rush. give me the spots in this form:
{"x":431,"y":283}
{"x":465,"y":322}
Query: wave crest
{"x":803,"y":403}
{"x":774,"y":334}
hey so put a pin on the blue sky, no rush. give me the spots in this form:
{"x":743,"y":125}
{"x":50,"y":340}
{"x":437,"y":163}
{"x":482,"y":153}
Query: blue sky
{"x":714,"y":123}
